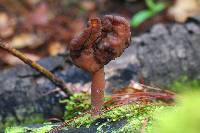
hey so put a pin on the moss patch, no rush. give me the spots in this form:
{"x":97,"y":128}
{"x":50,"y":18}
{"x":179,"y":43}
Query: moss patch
{"x":185,"y":84}
{"x":134,"y":113}
{"x":42,"y":129}
{"x":31,"y":119}
{"x":159,"y":118}
{"x":76,"y":105}
{"x":15,"y":130}
{"x":184,"y":118}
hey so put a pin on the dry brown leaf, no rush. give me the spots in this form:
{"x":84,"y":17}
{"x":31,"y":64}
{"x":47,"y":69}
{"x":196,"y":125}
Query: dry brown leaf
{"x":39,"y":16}
{"x":55,"y":48}
{"x":88,"y":5}
{"x":7,"y":25}
{"x":26,"y":40}
{"x":184,"y":9}
{"x":137,"y":92}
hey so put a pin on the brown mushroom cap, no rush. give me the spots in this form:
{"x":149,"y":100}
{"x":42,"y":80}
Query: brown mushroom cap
{"x":102,"y":41}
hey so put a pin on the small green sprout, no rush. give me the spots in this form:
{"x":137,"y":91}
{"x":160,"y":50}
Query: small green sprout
{"x":143,"y":15}
{"x":76,"y":105}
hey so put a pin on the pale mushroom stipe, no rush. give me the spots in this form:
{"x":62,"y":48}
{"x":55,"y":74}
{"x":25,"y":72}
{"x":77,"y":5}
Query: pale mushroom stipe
{"x":103,"y":40}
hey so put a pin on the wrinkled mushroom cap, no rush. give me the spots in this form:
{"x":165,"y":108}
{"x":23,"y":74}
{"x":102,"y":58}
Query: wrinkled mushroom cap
{"x":102,"y":41}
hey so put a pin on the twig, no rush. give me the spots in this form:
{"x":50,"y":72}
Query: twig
{"x":57,"y":81}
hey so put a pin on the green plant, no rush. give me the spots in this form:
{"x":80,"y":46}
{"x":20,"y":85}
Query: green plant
{"x":12,"y":121}
{"x":184,"y":118}
{"x":76,"y":105}
{"x":143,"y":15}
{"x":185,"y":84}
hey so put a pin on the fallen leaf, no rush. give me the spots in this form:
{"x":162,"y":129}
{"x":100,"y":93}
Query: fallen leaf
{"x":183,"y":9}
{"x":88,"y":5}
{"x":26,"y":40}
{"x":55,"y":48}
{"x":39,"y":16}
{"x":7,"y":25}
{"x":137,"y":92}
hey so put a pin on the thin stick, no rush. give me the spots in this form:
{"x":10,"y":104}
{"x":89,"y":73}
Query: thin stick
{"x":57,"y":81}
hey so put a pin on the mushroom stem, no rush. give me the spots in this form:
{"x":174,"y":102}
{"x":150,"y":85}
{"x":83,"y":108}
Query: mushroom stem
{"x":97,"y":91}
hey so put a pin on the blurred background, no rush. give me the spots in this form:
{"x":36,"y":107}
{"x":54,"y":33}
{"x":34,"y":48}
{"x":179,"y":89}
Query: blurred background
{"x":42,"y":28}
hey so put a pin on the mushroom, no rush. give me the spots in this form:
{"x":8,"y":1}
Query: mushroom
{"x":103,"y":40}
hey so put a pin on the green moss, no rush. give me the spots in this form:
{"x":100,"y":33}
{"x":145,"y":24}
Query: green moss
{"x":184,"y":118}
{"x":86,"y":121}
{"x":15,"y":130}
{"x":24,"y":116}
{"x":134,"y":113}
{"x":9,"y":121}
{"x":76,"y":105}
{"x":137,"y":115}
{"x":185,"y":84}
{"x":33,"y":119}
{"x":43,"y":129}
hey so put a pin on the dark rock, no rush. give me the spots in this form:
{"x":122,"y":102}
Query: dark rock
{"x":158,"y":30}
